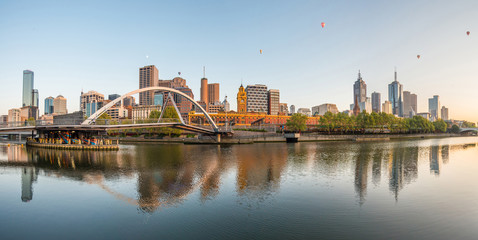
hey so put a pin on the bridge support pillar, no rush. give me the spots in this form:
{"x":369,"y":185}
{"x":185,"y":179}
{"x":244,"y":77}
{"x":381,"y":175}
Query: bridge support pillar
{"x":218,"y":138}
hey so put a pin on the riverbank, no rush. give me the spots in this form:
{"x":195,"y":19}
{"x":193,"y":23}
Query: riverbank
{"x":274,"y":138}
{"x":72,"y":146}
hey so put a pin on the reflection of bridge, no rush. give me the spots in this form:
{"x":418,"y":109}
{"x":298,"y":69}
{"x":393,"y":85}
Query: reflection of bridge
{"x":92,"y":123}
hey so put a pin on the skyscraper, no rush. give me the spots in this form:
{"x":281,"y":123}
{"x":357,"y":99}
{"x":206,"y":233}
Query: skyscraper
{"x":48,"y":105}
{"x":89,"y":102}
{"x":35,"y":98}
{"x":59,"y":105}
{"x":292,"y":109}
{"x":274,"y":102}
{"x":27,"y":98}
{"x":204,"y":90}
{"x":376,"y":102}
{"x":387,"y":107}
{"x":257,"y":98}
{"x":148,"y":77}
{"x":395,"y":96}
{"x":360,"y":89}
{"x":434,"y":107}
{"x":409,"y":104}
{"x":444,"y":113}
{"x":213,"y":93}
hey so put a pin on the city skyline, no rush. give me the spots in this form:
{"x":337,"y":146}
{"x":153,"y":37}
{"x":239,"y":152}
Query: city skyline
{"x":314,"y":55}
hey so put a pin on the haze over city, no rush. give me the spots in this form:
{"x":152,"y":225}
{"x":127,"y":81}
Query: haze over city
{"x":100,"y":46}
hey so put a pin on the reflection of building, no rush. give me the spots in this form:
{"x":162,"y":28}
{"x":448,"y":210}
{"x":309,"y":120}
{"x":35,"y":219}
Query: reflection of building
{"x":29,"y":175}
{"x":361,"y":172}
{"x":403,"y":167}
{"x":434,"y":160}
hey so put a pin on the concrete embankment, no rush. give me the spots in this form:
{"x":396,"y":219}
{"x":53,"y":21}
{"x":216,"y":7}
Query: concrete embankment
{"x":248,"y":138}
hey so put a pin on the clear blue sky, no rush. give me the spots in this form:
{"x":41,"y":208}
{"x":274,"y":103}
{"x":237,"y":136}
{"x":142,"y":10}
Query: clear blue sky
{"x":99,"y":45}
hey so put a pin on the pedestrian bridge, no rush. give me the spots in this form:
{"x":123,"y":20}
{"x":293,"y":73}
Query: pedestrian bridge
{"x":93,"y":123}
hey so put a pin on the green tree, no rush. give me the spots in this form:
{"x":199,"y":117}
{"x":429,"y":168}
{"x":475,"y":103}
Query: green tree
{"x":440,"y":125}
{"x":455,"y":129}
{"x":155,"y":114}
{"x":296,"y":122}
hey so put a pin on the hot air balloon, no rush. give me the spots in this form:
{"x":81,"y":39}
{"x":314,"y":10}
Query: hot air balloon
{"x":260,"y":51}
{"x":468,"y":33}
{"x":418,"y":56}
{"x":179,"y":73}
{"x":323,"y":24}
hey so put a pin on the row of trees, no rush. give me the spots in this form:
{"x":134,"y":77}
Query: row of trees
{"x":342,"y":123}
{"x":169,"y":115}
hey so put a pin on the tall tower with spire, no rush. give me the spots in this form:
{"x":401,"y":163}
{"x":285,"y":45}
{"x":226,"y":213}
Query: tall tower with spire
{"x":360,"y":89}
{"x":395,"y":96}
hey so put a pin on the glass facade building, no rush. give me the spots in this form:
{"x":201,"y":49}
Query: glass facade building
{"x":48,"y":105}
{"x":395,"y":96}
{"x":27,"y":98}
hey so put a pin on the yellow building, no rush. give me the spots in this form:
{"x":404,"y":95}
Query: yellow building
{"x":241,"y":100}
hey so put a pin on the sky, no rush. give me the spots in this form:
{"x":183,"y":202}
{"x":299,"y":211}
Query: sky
{"x":100,"y":45}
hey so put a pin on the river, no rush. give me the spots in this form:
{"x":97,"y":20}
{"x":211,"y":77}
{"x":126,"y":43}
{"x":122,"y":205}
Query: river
{"x":407,"y":189}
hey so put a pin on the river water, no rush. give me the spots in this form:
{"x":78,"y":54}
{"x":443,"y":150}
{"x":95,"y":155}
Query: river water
{"x":409,"y":189}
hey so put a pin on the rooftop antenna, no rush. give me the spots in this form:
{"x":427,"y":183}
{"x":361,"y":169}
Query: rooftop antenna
{"x":204,"y":71}
{"x":395,"y":74}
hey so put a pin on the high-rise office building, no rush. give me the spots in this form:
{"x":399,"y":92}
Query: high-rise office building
{"x":49,"y":105}
{"x":273,"y":102}
{"x":257,"y":98}
{"x":129,"y":101}
{"x":360,"y":89}
{"x":292,"y":109}
{"x":444,"y":113}
{"x":27,"y":98}
{"x":395,"y":96}
{"x":204,"y":90}
{"x":227,"y":106}
{"x":376,"y":102}
{"x":59,"y":105}
{"x":284,"y":109}
{"x":148,"y":77}
{"x":320,"y":110}
{"x":409,"y":104}
{"x":93,"y":99}
{"x":387,"y":107}
{"x":113,"y":96}
{"x":241,"y":100}
{"x":213,"y":93}
{"x":158,"y":98}
{"x":434,"y":107}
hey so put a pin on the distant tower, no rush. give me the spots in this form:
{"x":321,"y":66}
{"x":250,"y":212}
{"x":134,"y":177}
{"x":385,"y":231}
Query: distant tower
{"x":241,"y":100}
{"x":395,"y":96}
{"x":360,"y":89}
{"x":204,"y":88}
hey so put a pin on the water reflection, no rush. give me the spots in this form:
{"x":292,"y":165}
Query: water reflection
{"x":165,"y":175}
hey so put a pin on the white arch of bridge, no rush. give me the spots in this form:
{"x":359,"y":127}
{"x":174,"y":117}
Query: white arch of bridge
{"x":102,"y":110}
